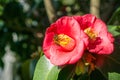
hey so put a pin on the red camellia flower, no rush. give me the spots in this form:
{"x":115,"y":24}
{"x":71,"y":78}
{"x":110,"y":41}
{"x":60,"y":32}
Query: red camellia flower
{"x":64,"y":41}
{"x":100,"y":40}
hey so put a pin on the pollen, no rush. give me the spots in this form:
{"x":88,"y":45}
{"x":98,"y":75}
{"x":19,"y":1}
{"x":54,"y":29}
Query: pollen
{"x":90,"y":32}
{"x":64,"y":41}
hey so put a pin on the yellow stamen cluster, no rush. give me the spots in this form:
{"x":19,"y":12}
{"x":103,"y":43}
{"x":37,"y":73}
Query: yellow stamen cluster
{"x":62,"y":39}
{"x":92,"y":35}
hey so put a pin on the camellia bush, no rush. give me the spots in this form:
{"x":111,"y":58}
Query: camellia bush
{"x":77,"y":48}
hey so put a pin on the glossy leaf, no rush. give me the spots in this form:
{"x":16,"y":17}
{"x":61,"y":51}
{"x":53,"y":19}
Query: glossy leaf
{"x":114,"y":76}
{"x":114,"y":30}
{"x":67,"y":72}
{"x":115,"y":16}
{"x":97,"y":75}
{"x":45,"y":70}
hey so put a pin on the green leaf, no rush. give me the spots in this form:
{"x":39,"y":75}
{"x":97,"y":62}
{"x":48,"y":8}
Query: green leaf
{"x":45,"y":70}
{"x":97,"y":75}
{"x":115,"y":16}
{"x":80,"y":68}
{"x":25,"y":70}
{"x":83,"y":77}
{"x":114,"y":30}
{"x":114,"y":76}
{"x":67,"y":72}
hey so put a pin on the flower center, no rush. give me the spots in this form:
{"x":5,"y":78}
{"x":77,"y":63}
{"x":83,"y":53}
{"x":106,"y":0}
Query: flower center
{"x":64,"y":41}
{"x":92,"y":35}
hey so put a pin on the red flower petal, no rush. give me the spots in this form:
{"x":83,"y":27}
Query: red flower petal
{"x":103,"y":43}
{"x":83,"y":37}
{"x":58,"y":56}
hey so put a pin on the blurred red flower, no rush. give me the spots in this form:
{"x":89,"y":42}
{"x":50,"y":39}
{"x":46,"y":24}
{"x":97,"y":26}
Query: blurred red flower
{"x":100,"y":40}
{"x":64,"y":41}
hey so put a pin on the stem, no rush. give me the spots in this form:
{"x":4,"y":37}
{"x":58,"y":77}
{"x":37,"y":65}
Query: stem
{"x":50,"y":10}
{"x":94,"y":7}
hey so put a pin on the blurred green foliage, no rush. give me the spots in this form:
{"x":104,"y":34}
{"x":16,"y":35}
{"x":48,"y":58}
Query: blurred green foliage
{"x":114,"y":76}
